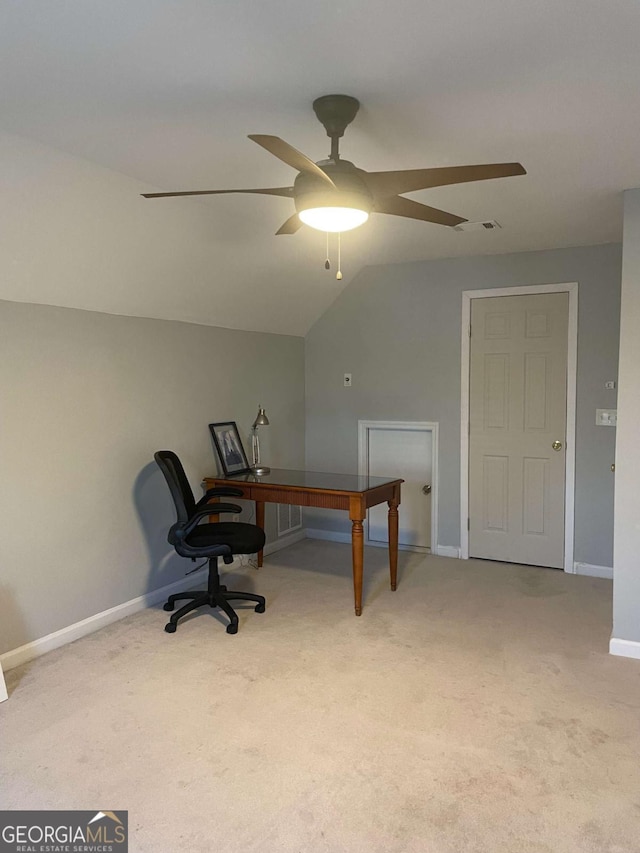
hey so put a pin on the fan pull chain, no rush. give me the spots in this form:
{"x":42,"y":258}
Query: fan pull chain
{"x":327,"y":265}
{"x":339,"y":273}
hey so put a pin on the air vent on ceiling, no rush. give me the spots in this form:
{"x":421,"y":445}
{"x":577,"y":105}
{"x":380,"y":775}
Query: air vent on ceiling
{"x":487,"y":225}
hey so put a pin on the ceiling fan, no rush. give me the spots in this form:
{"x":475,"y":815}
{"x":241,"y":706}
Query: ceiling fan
{"x":335,"y":195}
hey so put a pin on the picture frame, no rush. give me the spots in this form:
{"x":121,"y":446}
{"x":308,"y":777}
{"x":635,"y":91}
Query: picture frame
{"x":229,"y":446}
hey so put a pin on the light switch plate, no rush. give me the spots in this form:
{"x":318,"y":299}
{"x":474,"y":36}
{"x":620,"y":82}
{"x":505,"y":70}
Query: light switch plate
{"x":347,"y":380}
{"x":606,"y":417}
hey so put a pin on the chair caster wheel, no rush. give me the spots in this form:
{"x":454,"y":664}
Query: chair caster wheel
{"x":170,"y":628}
{"x":232,"y":628}
{"x":260,"y":608}
{"x":168,"y":607}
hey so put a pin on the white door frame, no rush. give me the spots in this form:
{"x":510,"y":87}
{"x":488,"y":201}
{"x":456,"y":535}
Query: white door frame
{"x":572,"y":370}
{"x":363,"y":469}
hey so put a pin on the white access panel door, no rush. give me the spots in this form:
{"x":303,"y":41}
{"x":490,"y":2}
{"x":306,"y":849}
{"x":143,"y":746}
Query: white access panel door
{"x":404,"y":453}
{"x":517,"y":428}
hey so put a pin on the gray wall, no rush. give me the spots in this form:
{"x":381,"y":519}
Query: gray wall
{"x":396,"y":328}
{"x":86,"y":398}
{"x":626,"y":585}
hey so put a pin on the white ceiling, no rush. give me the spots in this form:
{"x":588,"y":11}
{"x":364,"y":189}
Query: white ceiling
{"x":166,"y":92}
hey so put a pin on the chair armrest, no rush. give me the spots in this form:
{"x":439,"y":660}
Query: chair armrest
{"x":214,"y":509}
{"x":221,"y":492}
{"x":203,"y":512}
{"x":224,"y":491}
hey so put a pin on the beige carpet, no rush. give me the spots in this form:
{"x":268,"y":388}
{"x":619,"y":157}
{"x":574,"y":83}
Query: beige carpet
{"x":475,"y":709}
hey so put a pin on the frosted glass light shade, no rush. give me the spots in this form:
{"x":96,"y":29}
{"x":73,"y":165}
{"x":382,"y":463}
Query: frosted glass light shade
{"x":333,"y":218}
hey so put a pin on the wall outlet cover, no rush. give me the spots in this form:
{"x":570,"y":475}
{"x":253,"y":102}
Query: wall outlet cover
{"x":606,"y":417}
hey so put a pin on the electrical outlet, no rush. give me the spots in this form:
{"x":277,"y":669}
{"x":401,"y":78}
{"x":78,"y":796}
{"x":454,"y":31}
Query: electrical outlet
{"x":606,"y":417}
{"x":347,"y":380}
{"x":610,"y":384}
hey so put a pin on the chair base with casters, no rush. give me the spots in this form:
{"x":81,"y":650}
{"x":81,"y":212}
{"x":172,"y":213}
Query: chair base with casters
{"x":216,"y":595}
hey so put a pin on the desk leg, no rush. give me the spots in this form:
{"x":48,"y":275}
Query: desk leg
{"x":260,"y":523}
{"x":357,"y":548}
{"x":393,"y":543}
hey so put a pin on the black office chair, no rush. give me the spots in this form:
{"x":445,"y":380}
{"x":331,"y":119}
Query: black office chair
{"x":192,"y":539}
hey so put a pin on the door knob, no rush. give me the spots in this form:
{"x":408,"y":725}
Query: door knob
{"x":557,"y":445}
{"x":426,"y":490}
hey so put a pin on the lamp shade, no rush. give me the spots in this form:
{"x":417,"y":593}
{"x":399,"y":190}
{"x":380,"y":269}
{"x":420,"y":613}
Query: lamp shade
{"x":262,"y":419}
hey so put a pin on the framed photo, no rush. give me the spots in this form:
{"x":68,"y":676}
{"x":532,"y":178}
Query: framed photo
{"x":229,"y":447}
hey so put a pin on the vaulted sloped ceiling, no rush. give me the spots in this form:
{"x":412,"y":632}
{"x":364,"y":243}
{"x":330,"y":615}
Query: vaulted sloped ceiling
{"x":166,"y":93}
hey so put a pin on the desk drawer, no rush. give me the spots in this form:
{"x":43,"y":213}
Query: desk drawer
{"x":283,"y":495}
{"x":293,"y":496}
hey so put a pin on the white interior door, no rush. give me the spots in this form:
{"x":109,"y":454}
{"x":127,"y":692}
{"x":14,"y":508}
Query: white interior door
{"x":517,"y":428}
{"x":406,"y":454}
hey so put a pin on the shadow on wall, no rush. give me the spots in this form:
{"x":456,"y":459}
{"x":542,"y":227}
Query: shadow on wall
{"x":13,"y":630}
{"x":157,"y":513}
{"x":13,"y":634}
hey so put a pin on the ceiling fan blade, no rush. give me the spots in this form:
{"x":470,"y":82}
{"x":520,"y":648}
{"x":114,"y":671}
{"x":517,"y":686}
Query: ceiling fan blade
{"x":283,"y":191}
{"x":398,"y":206}
{"x":292,"y":225}
{"x":384,"y":184}
{"x":290,"y":155}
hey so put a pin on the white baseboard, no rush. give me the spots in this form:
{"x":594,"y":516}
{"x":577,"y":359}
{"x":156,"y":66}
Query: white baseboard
{"x":34,"y":649}
{"x":284,"y":542}
{"x":624,"y":648}
{"x":345,"y":538}
{"x":448,"y":551}
{"x":415,"y":549}
{"x":593,"y":571}
{"x":334,"y":536}
{"x":329,"y":535}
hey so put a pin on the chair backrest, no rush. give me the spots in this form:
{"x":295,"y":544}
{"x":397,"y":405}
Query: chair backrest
{"x":178,"y":484}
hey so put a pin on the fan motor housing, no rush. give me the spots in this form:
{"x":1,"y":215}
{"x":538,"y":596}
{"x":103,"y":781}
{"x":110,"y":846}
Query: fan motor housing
{"x":351,"y":189}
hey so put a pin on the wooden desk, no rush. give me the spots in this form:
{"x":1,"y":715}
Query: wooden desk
{"x":348,"y":492}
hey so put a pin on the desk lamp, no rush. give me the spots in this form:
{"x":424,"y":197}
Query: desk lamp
{"x":261,"y":420}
